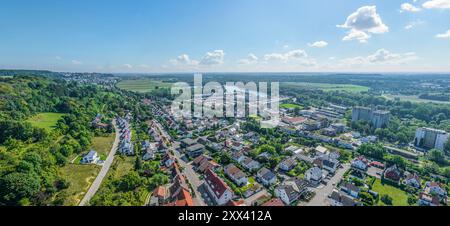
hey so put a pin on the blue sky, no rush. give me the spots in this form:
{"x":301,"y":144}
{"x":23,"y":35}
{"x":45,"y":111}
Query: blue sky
{"x":226,"y":35}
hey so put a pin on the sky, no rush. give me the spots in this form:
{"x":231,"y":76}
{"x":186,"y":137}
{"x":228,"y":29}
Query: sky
{"x":142,"y":36}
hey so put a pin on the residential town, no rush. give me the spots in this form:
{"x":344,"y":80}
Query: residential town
{"x":223,"y":162}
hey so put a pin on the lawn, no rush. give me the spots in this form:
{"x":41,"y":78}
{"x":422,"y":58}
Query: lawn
{"x":251,"y":183}
{"x":102,"y":145}
{"x":413,"y":98}
{"x":400,"y":197}
{"x":142,"y":85}
{"x":325,"y":86}
{"x":289,"y":106}
{"x":80,"y":178}
{"x":45,"y":120}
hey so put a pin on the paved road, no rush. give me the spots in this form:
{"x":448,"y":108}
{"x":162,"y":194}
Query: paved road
{"x":320,"y":199}
{"x":105,"y":168}
{"x":192,"y":177}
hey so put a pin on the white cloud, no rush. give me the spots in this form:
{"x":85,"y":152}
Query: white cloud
{"x":444,"y":35}
{"x":362,"y":22}
{"x":437,"y":4}
{"x":407,"y":7}
{"x":295,"y":57}
{"x":184,"y":59}
{"x":129,"y":66}
{"x":213,"y":58}
{"x":381,"y":56}
{"x":58,"y":58}
{"x":285,"y":57}
{"x":361,"y":36}
{"x":77,"y":62}
{"x":251,"y":59}
{"x":413,"y":24}
{"x":318,"y":44}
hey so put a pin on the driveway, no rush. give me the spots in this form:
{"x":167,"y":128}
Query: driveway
{"x":105,"y":168}
{"x":320,"y":199}
{"x":375,"y":172}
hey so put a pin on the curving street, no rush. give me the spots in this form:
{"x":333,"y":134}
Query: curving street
{"x":105,"y":168}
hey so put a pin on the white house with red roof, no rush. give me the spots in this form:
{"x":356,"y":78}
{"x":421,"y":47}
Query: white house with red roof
{"x":218,"y":190}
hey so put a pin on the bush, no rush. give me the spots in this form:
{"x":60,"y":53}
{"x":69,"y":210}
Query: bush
{"x":386,"y":199}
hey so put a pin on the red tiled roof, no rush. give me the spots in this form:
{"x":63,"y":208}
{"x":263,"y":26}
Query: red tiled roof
{"x":273,"y":202}
{"x":186,"y":197}
{"x":160,"y":192}
{"x":236,"y":203}
{"x":218,"y":186}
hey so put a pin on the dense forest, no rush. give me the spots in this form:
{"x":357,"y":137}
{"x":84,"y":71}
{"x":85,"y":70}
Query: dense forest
{"x":29,"y":156}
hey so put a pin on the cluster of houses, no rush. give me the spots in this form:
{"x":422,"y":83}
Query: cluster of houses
{"x":126,"y":146}
{"x":430,"y":193}
{"x":323,"y":129}
{"x":324,"y":165}
{"x":177,"y":192}
{"x":105,"y":80}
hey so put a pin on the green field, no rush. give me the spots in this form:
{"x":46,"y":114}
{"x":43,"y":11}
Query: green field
{"x":289,"y":106}
{"x":412,"y":98}
{"x":45,"y":120}
{"x":325,"y":86}
{"x":400,"y":198}
{"x":142,"y":85}
{"x":80,"y":178}
{"x":102,"y":145}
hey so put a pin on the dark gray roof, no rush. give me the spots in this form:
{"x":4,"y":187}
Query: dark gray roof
{"x":266,"y":174}
{"x":195,"y":147}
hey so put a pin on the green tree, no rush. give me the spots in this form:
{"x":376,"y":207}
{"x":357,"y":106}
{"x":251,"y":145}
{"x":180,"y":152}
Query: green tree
{"x":15,"y":186}
{"x":130,"y":181}
{"x":376,"y":151}
{"x":447,"y":147}
{"x":437,"y":156}
{"x":412,"y":200}
{"x":138,"y":163}
{"x":386,"y":199}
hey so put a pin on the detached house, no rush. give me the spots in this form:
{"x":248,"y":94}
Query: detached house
{"x":291,"y":190}
{"x":338,"y":198}
{"x":266,"y":177}
{"x":360,"y":163}
{"x":436,"y":189}
{"x":412,"y":180}
{"x":327,"y":162}
{"x":238,"y":156}
{"x":91,"y":157}
{"x":236,"y":175}
{"x":195,"y":150}
{"x":217,"y":189}
{"x":203,"y":163}
{"x":426,"y":199}
{"x":314,"y":175}
{"x":351,"y":189}
{"x":393,"y":173}
{"x":288,"y":164}
{"x":250,"y":164}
